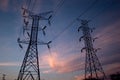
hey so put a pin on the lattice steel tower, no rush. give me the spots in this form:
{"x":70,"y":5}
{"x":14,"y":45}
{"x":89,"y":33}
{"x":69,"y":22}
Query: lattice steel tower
{"x":30,"y":66}
{"x":93,"y":68}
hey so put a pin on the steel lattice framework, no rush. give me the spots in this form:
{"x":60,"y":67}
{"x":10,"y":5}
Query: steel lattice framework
{"x":30,"y":63}
{"x":30,"y":66}
{"x":93,"y":68}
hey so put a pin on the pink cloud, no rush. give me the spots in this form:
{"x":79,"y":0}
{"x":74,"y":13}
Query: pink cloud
{"x":112,"y":68}
{"x":63,"y":64}
{"x":4,"y":4}
{"x":105,"y":60}
{"x":7,"y":64}
{"x":109,"y":35}
{"x":64,"y":61}
{"x":108,"y":40}
{"x":47,"y":71}
{"x":12,"y":64}
{"x":79,"y":77}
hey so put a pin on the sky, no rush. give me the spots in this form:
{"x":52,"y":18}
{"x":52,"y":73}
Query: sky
{"x":67,"y":62}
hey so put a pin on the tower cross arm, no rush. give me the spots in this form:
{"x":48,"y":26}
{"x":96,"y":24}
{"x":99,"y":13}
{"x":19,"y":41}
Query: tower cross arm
{"x":44,"y":43}
{"x":45,"y":13}
{"x":23,"y":41}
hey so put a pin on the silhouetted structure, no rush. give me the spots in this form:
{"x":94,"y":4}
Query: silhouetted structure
{"x":93,"y":68}
{"x":115,"y":76}
{"x":30,"y":66}
{"x":3,"y":78}
{"x":92,"y":79}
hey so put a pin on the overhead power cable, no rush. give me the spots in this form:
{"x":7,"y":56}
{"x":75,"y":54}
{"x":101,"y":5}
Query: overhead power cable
{"x":72,"y":22}
{"x":61,"y":2}
{"x":64,"y":30}
{"x":90,"y":7}
{"x":97,"y":15}
{"x":34,"y":3}
{"x":56,"y":9}
{"x":29,"y":3}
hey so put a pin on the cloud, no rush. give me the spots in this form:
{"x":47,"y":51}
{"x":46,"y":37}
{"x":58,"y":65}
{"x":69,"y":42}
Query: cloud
{"x":13,"y":64}
{"x":110,"y":59}
{"x":4,"y":4}
{"x":64,"y":61}
{"x":8,"y":64}
{"x":108,"y":35}
{"x":64,"y":64}
{"x":112,"y":68}
{"x":47,"y":71}
{"x":70,"y":62}
{"x":74,"y":62}
{"x":79,"y":77}
{"x":109,"y":41}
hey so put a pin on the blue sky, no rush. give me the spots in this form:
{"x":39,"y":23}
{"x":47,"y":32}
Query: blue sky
{"x":67,"y":62}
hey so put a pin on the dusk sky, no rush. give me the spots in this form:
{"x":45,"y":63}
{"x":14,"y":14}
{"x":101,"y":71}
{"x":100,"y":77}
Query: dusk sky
{"x":67,"y":62}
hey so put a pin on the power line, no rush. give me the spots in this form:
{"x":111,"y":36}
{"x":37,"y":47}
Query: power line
{"x":90,"y":7}
{"x":97,"y":15}
{"x":29,"y":4}
{"x":64,"y":30}
{"x":25,"y":4}
{"x":56,"y":9}
{"x":34,"y":3}
{"x":58,"y":6}
{"x":72,"y":22}
{"x":93,"y":67}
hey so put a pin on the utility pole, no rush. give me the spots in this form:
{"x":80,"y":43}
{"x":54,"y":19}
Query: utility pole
{"x":30,"y":67}
{"x":93,"y":68}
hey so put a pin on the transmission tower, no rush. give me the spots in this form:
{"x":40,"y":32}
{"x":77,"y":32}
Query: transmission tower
{"x":30,"y":66}
{"x":93,"y":68}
